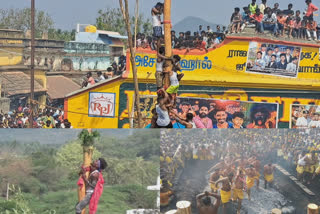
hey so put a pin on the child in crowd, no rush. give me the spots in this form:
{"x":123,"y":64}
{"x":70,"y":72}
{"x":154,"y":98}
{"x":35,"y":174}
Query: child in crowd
{"x":289,"y":24}
{"x":297,"y":28}
{"x":281,"y":22}
{"x":257,"y":20}
{"x":236,"y":20}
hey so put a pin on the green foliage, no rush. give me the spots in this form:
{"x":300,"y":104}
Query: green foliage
{"x":115,"y":199}
{"x":17,"y":203}
{"x":135,"y":171}
{"x":70,"y":156}
{"x":111,"y":19}
{"x":139,"y":196}
{"x":147,"y":144}
{"x":58,"y":34}
{"x":20,"y":19}
{"x":140,"y":144}
{"x":86,"y":138}
{"x":47,"y":174}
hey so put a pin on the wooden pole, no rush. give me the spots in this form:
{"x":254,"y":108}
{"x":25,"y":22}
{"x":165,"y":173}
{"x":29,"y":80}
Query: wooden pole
{"x":125,"y":13}
{"x":7,"y":195}
{"x":136,"y":24}
{"x":87,"y":159}
{"x":167,"y":40}
{"x":313,"y":209}
{"x":32,"y":62}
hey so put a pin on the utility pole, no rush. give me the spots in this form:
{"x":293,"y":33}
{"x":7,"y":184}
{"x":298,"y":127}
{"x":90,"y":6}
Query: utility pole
{"x":126,"y":17}
{"x":32,"y":62}
{"x":167,"y":40}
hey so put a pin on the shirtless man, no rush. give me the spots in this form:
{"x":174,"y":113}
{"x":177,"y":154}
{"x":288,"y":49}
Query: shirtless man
{"x":204,"y":204}
{"x":225,"y":191}
{"x":251,"y":174}
{"x":268,"y":175}
{"x":213,"y":178}
{"x":256,"y":163}
{"x":241,"y":163}
{"x":219,"y":165}
{"x":238,"y":189}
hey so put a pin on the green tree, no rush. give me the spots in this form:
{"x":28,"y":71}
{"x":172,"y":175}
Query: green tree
{"x":111,"y":19}
{"x":70,"y":156}
{"x":58,"y":34}
{"x":20,"y":19}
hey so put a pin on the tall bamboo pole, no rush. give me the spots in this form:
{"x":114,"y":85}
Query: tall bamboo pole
{"x":125,"y":13}
{"x":32,"y":62}
{"x":167,"y":40}
{"x":87,"y":159}
{"x":136,"y":24}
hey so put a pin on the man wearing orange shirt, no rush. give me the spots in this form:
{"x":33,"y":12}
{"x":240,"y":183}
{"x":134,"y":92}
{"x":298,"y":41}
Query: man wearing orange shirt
{"x":257,"y":20}
{"x":311,"y":9}
{"x":281,"y":22}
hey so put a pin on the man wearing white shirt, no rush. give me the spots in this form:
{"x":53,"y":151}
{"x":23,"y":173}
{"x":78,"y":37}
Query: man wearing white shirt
{"x":259,"y":64}
{"x":302,"y":122}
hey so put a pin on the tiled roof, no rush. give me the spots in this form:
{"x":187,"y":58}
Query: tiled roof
{"x":59,"y":86}
{"x":17,"y":82}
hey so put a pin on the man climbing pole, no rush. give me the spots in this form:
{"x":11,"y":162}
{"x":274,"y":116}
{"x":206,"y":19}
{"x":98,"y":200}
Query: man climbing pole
{"x":93,"y":184}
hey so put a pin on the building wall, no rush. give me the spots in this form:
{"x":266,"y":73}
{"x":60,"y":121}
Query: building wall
{"x":4,"y":104}
{"x":284,"y":98}
{"x":86,"y":56}
{"x":227,"y":65}
{"x":48,"y":54}
{"x":11,"y":51}
{"x":87,"y":37}
{"x":77,"y":108}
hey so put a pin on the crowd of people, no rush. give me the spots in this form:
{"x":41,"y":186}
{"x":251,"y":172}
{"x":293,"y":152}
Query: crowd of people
{"x":116,"y":69}
{"x":305,"y":118}
{"x":242,"y":158}
{"x":280,"y":22}
{"x":43,"y":118}
{"x":201,"y":39}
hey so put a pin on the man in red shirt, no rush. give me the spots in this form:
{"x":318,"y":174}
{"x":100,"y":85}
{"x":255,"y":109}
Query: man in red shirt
{"x":200,"y":44}
{"x":257,"y":20}
{"x":311,"y":9}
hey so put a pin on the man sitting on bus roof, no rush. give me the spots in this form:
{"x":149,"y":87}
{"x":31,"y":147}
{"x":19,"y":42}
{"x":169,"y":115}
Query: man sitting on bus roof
{"x":257,"y":20}
{"x":270,"y":22}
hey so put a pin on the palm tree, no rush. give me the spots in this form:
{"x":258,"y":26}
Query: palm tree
{"x":87,"y":139}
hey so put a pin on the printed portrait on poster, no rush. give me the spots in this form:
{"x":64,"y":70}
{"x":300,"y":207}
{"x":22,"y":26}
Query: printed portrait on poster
{"x":273,"y":59}
{"x":305,"y":116}
{"x":213,"y":113}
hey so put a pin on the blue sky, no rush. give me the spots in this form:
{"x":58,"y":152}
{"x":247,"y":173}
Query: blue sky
{"x":66,"y":13}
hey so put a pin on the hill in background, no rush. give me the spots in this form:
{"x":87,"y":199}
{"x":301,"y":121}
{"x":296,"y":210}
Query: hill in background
{"x":192,"y":23}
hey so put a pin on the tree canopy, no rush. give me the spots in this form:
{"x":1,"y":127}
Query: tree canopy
{"x":111,"y":19}
{"x":20,"y":19}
